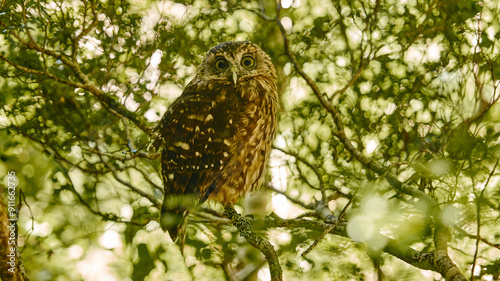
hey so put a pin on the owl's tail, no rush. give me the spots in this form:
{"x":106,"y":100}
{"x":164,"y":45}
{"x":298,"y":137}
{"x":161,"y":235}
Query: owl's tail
{"x":174,"y":221}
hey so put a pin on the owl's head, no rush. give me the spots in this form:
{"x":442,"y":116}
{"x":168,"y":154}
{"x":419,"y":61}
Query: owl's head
{"x":236,"y":63}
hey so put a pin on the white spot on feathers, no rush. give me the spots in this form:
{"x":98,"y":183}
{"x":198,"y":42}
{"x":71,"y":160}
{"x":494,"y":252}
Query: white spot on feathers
{"x":182,"y":145}
{"x":196,"y":117}
{"x":209,"y":118}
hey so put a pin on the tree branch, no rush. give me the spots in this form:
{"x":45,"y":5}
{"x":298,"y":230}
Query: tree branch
{"x":442,"y":263}
{"x":341,"y":132}
{"x":435,"y":261}
{"x":246,"y":230}
{"x":85,"y":83}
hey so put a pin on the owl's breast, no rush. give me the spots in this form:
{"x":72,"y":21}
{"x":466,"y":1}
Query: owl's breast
{"x":250,"y":147}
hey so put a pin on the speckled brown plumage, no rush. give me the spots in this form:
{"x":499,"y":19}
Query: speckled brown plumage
{"x":216,"y":137}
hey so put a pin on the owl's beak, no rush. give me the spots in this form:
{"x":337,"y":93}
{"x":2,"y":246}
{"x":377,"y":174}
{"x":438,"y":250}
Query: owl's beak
{"x":235,"y":78}
{"x":234,"y":70}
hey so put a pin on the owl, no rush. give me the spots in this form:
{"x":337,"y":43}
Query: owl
{"x":216,"y":137}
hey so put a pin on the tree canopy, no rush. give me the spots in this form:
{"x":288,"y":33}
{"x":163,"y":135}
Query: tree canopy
{"x":385,"y":166}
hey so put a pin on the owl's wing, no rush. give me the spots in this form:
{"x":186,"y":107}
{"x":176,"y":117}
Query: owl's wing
{"x":195,"y":134}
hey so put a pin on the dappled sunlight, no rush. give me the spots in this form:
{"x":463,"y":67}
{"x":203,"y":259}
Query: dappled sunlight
{"x":110,"y":239}
{"x":97,"y":266}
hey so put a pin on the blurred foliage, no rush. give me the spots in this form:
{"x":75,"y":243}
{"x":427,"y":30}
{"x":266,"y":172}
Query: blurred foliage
{"x":416,"y":83}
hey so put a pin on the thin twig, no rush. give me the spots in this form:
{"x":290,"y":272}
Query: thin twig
{"x":313,"y":167}
{"x":291,"y":199}
{"x":151,"y":198}
{"x":478,"y":219}
{"x":482,"y":239}
{"x":328,"y":230}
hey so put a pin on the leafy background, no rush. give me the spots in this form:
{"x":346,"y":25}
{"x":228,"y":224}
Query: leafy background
{"x":415,"y":85}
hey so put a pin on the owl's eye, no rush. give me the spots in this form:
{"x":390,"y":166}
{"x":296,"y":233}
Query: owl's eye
{"x":247,"y":62}
{"x":220,"y":64}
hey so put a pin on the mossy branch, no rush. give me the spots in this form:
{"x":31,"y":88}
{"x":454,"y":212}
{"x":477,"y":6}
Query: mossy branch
{"x":246,"y":230}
